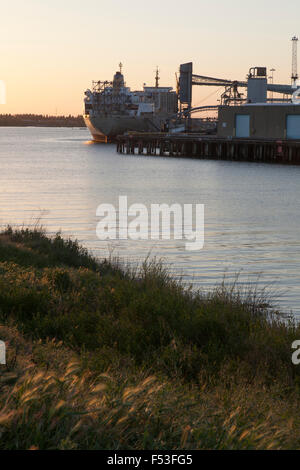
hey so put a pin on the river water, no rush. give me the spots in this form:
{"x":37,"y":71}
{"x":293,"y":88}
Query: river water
{"x":252,"y":223}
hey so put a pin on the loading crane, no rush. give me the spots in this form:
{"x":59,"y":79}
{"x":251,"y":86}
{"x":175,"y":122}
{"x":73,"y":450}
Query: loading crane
{"x":257,"y":77}
{"x":294,"y":62}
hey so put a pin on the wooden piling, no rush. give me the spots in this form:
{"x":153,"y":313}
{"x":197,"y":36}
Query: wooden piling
{"x":210,"y":147}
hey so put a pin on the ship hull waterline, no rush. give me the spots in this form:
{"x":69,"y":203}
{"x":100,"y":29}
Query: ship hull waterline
{"x":106,"y":129}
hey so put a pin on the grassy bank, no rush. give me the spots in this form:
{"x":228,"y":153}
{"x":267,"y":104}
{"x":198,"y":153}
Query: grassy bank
{"x":100,"y":356}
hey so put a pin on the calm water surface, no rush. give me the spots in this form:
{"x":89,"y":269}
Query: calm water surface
{"x":252,"y":222}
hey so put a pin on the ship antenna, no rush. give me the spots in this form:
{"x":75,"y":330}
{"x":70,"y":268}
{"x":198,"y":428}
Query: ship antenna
{"x":157,"y":77}
{"x":121,"y":66}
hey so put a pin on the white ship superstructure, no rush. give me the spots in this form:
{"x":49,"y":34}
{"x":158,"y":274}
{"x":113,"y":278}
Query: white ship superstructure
{"x":111,"y":108}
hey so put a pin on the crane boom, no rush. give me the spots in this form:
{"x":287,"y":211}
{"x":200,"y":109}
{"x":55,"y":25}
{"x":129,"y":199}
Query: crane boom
{"x":211,"y":81}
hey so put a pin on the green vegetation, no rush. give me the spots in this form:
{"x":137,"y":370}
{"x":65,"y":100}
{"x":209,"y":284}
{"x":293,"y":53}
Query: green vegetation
{"x":102,"y":356}
{"x":40,"y":120}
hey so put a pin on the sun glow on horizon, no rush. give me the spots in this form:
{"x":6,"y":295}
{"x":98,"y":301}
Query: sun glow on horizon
{"x":51,"y":51}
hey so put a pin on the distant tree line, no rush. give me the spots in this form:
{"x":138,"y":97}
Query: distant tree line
{"x":41,"y":120}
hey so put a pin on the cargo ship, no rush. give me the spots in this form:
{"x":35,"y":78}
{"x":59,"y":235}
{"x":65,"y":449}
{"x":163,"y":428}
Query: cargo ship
{"x":112,"y":109}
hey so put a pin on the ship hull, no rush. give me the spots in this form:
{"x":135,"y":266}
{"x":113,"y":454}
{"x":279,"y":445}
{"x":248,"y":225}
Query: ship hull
{"x":106,"y":129}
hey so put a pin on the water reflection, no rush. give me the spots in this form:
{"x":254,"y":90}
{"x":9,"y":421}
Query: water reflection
{"x":251,"y":210}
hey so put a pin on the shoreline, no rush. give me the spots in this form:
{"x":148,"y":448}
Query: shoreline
{"x":39,"y":120}
{"x":44,"y":125}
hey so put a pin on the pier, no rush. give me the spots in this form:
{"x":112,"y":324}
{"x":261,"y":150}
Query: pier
{"x":210,"y":147}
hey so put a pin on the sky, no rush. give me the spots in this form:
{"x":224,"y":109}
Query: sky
{"x":51,"y":50}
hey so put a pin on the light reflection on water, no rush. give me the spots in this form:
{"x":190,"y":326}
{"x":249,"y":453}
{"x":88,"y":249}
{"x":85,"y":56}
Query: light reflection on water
{"x":251,"y":210}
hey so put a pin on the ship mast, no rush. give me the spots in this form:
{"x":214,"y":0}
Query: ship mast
{"x":121,"y":66}
{"x":157,"y":77}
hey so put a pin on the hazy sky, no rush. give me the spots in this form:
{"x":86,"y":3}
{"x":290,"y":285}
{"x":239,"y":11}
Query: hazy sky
{"x":51,"y":50}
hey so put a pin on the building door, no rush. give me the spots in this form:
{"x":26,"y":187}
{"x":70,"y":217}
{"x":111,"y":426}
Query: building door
{"x":293,"y":126}
{"x":242,"y":125}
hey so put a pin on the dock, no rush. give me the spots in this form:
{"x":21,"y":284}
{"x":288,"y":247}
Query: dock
{"x":210,"y":147}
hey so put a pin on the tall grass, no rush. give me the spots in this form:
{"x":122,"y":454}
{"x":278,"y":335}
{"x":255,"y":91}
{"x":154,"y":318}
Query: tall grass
{"x":222,"y":361}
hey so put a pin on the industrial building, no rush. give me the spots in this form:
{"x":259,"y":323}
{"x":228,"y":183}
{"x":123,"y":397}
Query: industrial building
{"x":266,"y":111}
{"x":260,"y":117}
{"x":260,"y":121}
